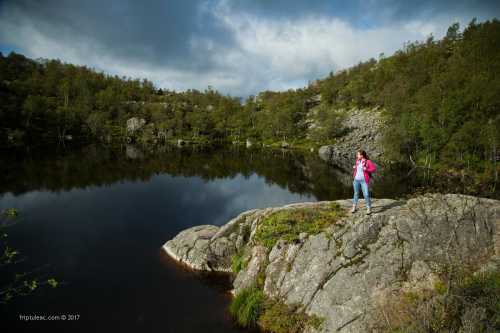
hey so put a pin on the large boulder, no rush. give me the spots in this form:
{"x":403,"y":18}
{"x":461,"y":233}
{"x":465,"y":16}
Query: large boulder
{"x":341,"y":273}
{"x":336,"y":156}
{"x":134,"y":124}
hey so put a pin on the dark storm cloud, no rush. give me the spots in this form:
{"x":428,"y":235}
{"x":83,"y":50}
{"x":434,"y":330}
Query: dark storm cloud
{"x":153,"y":31}
{"x":295,"y":8}
{"x":239,"y":47}
{"x":391,"y":10}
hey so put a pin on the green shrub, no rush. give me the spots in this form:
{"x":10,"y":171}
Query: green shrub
{"x":247,"y":306}
{"x":288,"y":224}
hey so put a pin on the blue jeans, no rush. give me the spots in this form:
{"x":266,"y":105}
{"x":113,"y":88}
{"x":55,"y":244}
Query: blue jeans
{"x":364,"y":187}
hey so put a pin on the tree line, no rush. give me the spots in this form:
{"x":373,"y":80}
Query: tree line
{"x":48,"y":100}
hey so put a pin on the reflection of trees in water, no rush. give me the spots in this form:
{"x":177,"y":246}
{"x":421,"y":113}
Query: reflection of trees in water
{"x":92,"y":165}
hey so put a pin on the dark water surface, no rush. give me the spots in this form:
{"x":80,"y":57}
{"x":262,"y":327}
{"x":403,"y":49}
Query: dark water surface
{"x":96,"y":218}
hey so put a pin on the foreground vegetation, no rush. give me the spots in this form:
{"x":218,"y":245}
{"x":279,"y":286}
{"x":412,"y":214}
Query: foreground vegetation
{"x":459,"y":302}
{"x":252,"y":308}
{"x":16,"y":283}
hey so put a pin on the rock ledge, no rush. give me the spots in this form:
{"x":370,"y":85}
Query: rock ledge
{"x":341,"y":273}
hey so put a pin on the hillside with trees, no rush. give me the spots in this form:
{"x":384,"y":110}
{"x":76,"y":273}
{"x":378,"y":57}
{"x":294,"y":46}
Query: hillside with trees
{"x":441,"y":98}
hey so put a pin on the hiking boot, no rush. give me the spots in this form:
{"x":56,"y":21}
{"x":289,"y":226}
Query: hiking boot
{"x":353,"y":209}
{"x":368,"y":211}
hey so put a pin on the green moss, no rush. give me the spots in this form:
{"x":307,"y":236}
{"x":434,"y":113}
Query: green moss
{"x":288,"y":224}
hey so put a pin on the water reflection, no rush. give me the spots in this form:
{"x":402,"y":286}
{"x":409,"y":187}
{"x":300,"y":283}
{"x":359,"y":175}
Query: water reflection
{"x":97,"y":218}
{"x":62,"y":170}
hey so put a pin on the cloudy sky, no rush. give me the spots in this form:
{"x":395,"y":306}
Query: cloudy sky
{"x":238,"y":47}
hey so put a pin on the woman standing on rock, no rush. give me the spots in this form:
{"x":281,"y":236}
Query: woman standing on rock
{"x":363,"y":168}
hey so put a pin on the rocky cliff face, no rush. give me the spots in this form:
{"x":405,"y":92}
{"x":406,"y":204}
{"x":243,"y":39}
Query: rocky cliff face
{"x":363,"y":129}
{"x":342,"y":273}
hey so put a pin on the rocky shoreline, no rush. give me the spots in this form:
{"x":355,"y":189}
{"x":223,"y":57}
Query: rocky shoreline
{"x":343,"y":272}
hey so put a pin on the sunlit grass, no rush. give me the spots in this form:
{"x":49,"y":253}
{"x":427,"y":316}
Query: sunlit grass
{"x":289,"y":224}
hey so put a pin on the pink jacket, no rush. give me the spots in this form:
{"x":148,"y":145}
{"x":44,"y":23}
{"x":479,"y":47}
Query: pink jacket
{"x":370,"y":167}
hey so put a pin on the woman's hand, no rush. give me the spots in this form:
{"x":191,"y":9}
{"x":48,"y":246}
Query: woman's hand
{"x":354,"y":167}
{"x":364,"y":168}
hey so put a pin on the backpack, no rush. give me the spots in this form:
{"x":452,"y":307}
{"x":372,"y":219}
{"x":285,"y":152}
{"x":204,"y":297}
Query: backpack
{"x":376,"y":168}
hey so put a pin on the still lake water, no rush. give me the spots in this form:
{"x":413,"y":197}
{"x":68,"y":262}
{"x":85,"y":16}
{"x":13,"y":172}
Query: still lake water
{"x":95,"y":219}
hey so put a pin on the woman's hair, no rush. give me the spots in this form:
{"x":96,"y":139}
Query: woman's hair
{"x":362,"y":152}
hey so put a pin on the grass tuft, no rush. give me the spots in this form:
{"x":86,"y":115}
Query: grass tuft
{"x":288,"y":224}
{"x":252,"y":308}
{"x":247,"y":306}
{"x":239,"y":261}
